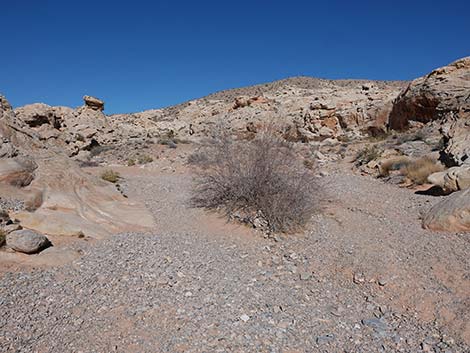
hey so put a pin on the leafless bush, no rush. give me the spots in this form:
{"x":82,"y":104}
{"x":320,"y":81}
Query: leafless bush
{"x":262,"y":176}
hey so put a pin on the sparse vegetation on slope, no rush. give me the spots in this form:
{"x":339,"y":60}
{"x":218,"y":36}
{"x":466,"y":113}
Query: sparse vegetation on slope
{"x":259,"y":178}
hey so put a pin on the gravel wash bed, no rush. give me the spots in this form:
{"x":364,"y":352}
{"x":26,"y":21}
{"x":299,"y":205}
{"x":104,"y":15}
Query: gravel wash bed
{"x":188,"y":288}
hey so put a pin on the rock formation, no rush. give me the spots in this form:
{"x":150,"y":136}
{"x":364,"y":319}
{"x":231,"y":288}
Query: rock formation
{"x":94,"y":103}
{"x":443,"y":96}
{"x":304,"y":109}
{"x":433,"y":96}
{"x":36,"y":171}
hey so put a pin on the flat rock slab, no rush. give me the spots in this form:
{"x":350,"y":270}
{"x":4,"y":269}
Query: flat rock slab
{"x":27,"y":241}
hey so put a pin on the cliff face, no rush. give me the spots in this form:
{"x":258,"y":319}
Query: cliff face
{"x":443,"y":91}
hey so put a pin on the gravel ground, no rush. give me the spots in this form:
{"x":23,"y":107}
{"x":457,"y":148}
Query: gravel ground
{"x":11,"y":204}
{"x":364,"y":278}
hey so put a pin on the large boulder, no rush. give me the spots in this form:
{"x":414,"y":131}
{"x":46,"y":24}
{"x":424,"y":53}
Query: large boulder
{"x":431,"y":97}
{"x":452,"y":179}
{"x":27,"y":241}
{"x":451,"y":214}
{"x":93,"y":103}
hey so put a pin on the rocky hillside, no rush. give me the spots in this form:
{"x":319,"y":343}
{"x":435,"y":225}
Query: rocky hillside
{"x":303,"y":109}
{"x":43,"y":147}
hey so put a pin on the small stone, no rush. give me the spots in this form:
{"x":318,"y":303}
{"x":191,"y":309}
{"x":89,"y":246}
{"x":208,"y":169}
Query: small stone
{"x":376,"y":324}
{"x":304,"y":276}
{"x":382,"y":281}
{"x":244,"y":318}
{"x":188,"y":294}
{"x":325,"y":339}
{"x":426,"y":347}
{"x":358,"y":278}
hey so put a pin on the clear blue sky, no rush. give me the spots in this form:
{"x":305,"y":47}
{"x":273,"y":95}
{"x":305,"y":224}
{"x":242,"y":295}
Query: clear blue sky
{"x":139,"y":55}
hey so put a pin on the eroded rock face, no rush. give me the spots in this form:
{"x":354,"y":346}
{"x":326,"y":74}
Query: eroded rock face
{"x":27,"y":241}
{"x":455,"y":130}
{"x":431,"y":97}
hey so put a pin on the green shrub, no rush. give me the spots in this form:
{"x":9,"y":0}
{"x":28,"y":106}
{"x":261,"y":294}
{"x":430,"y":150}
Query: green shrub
{"x":144,"y":159}
{"x":111,"y":176}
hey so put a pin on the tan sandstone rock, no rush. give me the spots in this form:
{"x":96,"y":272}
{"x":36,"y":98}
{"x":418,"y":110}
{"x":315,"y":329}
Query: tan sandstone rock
{"x":26,"y":241}
{"x":452,"y":179}
{"x":93,"y":103}
{"x":61,"y":198}
{"x":451,"y":214}
{"x":431,"y":97}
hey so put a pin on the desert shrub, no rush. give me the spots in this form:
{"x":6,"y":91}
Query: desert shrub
{"x":144,"y":159}
{"x":419,"y":135}
{"x":111,"y":176}
{"x":309,"y":163}
{"x":367,"y":154}
{"x":394,"y":163}
{"x":131,"y":162}
{"x":3,"y":236}
{"x":88,"y":164}
{"x":97,"y":149}
{"x":170,"y":142}
{"x":258,"y":178}
{"x":418,"y":171}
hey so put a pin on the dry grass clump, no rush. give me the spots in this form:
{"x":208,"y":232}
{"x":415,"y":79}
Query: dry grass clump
{"x":111,"y":176}
{"x":367,"y":154}
{"x":394,"y":163}
{"x":418,"y":171}
{"x":144,"y":159}
{"x":3,"y":237}
{"x":258,"y":178}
